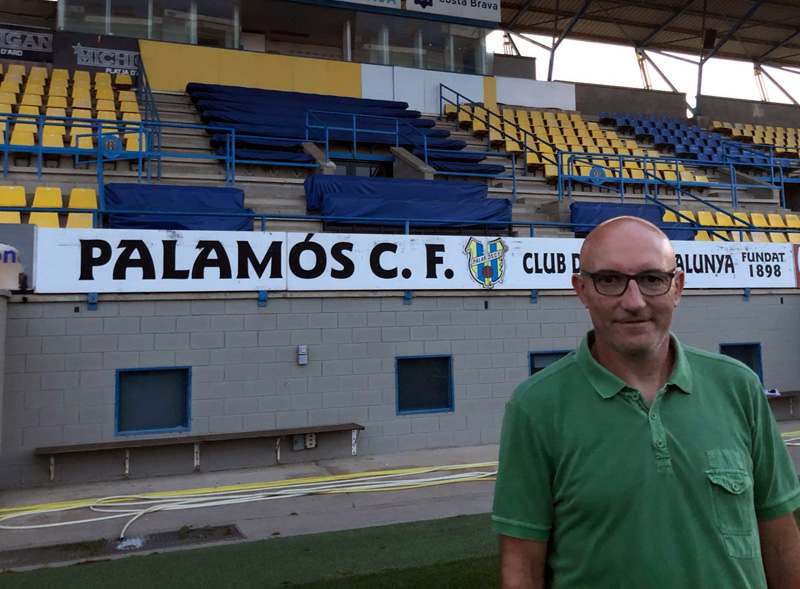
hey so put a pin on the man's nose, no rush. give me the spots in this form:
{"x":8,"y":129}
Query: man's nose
{"x":632,"y":298}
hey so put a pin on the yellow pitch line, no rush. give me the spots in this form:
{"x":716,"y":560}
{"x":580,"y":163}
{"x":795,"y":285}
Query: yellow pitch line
{"x":242,"y":487}
{"x":787,"y":434}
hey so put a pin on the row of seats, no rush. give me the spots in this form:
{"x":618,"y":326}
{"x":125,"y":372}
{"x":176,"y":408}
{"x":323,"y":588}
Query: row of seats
{"x":785,"y":139}
{"x":104,"y":99}
{"x":19,"y":72}
{"x":727,"y":225}
{"x":48,"y":198}
{"x":689,"y":141}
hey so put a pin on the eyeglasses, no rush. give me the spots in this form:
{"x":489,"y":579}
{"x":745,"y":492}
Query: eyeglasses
{"x":651,"y":283}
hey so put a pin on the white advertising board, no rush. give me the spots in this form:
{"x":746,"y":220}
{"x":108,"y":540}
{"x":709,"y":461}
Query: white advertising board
{"x":486,"y":10}
{"x":105,"y":261}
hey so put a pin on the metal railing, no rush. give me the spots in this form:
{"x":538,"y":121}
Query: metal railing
{"x":407,"y":223}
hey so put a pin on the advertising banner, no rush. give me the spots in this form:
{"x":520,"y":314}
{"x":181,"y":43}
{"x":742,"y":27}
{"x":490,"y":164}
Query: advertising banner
{"x":487,"y":10}
{"x":25,"y":43}
{"x":103,"y":260}
{"x":96,"y":53}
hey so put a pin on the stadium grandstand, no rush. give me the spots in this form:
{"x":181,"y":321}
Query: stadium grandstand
{"x":329,"y":228}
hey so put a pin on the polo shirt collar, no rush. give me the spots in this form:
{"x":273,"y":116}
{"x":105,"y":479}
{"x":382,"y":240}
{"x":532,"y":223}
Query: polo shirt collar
{"x":607,"y":384}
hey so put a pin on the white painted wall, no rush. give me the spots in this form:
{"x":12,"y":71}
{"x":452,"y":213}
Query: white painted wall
{"x":536,"y":94}
{"x":419,"y":88}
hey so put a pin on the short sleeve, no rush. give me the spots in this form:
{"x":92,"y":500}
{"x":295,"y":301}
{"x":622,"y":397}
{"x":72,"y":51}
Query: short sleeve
{"x":523,"y":496}
{"x":776,"y":488}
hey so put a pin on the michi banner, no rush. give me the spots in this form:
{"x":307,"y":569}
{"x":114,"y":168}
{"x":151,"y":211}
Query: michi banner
{"x":26,"y":43}
{"x":96,"y":53}
{"x":125,"y":261}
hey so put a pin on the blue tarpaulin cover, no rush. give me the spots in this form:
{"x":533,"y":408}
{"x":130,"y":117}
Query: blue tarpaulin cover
{"x":319,"y":186}
{"x":467,"y":167}
{"x":181,"y":199}
{"x":442,"y":213}
{"x":271,"y":155}
{"x":593,"y":213}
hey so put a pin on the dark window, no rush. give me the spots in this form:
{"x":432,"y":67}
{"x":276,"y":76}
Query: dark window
{"x":153,"y":400}
{"x":748,"y":354}
{"x":424,"y":384}
{"x":541,"y":360}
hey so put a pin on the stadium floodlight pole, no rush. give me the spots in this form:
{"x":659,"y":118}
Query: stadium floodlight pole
{"x":564,"y":35}
{"x":511,"y":40}
{"x":760,"y":68}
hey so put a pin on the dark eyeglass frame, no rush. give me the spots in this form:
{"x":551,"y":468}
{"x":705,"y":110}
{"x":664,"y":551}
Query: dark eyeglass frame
{"x":628,"y":277}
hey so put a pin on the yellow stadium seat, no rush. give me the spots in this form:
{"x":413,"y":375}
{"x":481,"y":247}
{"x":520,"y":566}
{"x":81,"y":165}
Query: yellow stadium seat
{"x":16,"y":69}
{"x":135,"y":117}
{"x":57,"y":90}
{"x":129,"y":107}
{"x":8,"y":98}
{"x":702,"y":236}
{"x":551,"y":171}
{"x":759,"y":220}
{"x":6,"y":108}
{"x":38,"y":71}
{"x":776,"y":221}
{"x":102,"y":77}
{"x":81,"y":76}
{"x":81,"y":198}
{"x":778,"y":238}
{"x":123,"y":80}
{"x":82,"y":141}
{"x":793,"y":237}
{"x":792,"y":221}
{"x":686,"y":216}
{"x":31,"y":100}
{"x":104,"y":94}
{"x":106,"y":115}
{"x":59,"y":74}
{"x":669,"y":217}
{"x":81,"y":92}
{"x":46,"y":198}
{"x":56,"y":101}
{"x":53,"y":140}
{"x":129,"y":96}
{"x":82,"y":103}
{"x":79,"y":221}
{"x":706,"y":219}
{"x":10,"y":87}
{"x":132,"y":142}
{"x":105,"y":105}
{"x":34,"y":88}
{"x":724,"y":220}
{"x":759,"y":237}
{"x":11,"y":196}
{"x":21,"y":137}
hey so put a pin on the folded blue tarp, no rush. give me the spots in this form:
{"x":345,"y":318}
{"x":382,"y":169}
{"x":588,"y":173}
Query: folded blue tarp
{"x":296,"y":119}
{"x":194,"y":87}
{"x":271,"y":155}
{"x":319,"y":186}
{"x":586,"y":215}
{"x":182,"y":200}
{"x":467,"y":167}
{"x":437,"y":214}
{"x":266,"y":106}
{"x":459,"y":156}
{"x":220,"y":140}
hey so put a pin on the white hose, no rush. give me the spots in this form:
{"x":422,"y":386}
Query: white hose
{"x":137,"y":506}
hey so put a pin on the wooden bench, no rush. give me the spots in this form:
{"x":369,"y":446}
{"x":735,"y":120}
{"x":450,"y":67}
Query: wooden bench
{"x":128,"y":444}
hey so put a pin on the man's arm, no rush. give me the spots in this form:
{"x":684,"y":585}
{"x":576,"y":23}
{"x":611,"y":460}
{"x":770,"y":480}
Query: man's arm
{"x":522,"y":563}
{"x":780,"y":551}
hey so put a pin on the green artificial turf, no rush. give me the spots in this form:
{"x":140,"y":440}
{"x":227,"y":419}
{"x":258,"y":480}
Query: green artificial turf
{"x":414,"y":550}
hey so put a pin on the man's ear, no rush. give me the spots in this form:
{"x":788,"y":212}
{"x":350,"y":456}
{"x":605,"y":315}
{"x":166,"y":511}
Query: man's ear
{"x":679,"y":281}
{"x":580,"y":288}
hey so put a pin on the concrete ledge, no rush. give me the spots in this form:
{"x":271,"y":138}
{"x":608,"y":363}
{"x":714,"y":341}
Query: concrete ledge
{"x":328,"y":168}
{"x":409,"y":166}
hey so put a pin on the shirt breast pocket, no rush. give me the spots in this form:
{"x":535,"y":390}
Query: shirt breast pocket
{"x":732,"y":498}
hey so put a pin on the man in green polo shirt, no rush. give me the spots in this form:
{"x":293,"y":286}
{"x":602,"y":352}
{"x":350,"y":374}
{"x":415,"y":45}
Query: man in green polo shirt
{"x":636,"y":462}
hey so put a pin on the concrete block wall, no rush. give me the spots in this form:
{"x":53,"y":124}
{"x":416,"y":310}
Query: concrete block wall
{"x":754,"y":112}
{"x":592,"y":99}
{"x":62,"y":359}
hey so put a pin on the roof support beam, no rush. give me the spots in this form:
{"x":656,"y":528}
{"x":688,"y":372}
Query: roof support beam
{"x":774,"y":48}
{"x":511,"y":40}
{"x":733,"y":30}
{"x":529,"y":40}
{"x":679,"y":58}
{"x":643,"y":53}
{"x":564,"y":35}
{"x":667,"y":22}
{"x":519,"y":14}
{"x":774,"y":81}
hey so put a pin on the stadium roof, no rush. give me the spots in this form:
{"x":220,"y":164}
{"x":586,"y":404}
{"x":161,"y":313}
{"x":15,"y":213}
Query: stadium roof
{"x":758,"y":31}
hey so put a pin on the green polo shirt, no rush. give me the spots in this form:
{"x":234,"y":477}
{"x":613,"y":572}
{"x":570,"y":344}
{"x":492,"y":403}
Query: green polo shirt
{"x":632,"y":495}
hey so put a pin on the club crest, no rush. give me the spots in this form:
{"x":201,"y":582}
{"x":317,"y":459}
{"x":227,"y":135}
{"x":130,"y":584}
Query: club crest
{"x":486,"y":261}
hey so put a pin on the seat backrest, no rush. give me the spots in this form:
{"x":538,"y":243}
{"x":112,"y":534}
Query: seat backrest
{"x":706,"y":219}
{"x":743,"y":216}
{"x":793,"y":220}
{"x":12,"y":196}
{"x":47,"y":197}
{"x":776,"y":221}
{"x":686,"y":214}
{"x":759,"y":220}
{"x":83,"y":198}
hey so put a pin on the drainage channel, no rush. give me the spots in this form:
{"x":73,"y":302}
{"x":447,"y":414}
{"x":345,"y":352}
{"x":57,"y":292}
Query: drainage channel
{"x":99,"y":549}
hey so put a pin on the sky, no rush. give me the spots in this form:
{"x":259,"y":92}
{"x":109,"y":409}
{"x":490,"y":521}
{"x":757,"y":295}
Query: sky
{"x":616,"y":65}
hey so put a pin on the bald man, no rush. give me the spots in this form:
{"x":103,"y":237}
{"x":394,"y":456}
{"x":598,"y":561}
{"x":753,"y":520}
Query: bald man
{"x":635,"y":461}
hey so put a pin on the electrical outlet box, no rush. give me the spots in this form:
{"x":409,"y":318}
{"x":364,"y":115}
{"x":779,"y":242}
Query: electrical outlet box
{"x":302,"y":355}
{"x":298,"y":442}
{"x":311,"y":440}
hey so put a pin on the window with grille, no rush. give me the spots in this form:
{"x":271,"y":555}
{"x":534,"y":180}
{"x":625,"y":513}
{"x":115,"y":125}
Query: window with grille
{"x":424,"y":384}
{"x":153,"y":400}
{"x":541,"y":360}
{"x":748,"y":354}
